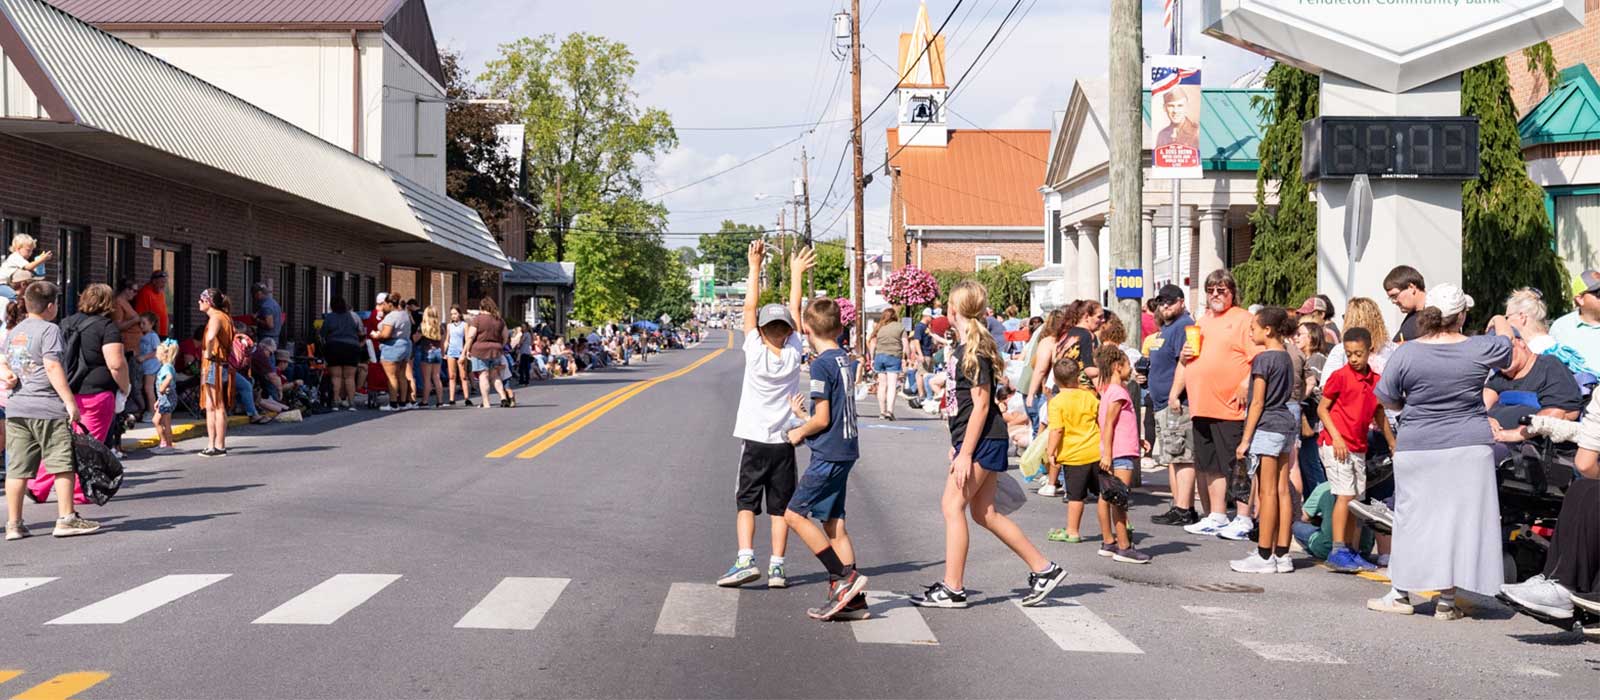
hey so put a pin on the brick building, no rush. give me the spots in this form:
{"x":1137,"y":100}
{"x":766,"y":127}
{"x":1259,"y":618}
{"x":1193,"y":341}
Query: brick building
{"x":121,"y":164}
{"x":1560,"y":130}
{"x":962,"y":199}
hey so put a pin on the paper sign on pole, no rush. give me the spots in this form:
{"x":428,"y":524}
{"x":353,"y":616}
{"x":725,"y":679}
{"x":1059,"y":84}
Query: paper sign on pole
{"x":1175,"y":112}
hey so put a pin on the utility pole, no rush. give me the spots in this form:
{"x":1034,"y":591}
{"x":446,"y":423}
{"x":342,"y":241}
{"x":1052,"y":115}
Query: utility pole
{"x":859,"y":206}
{"x":1175,"y":235}
{"x":805,"y":196}
{"x":1127,"y":186}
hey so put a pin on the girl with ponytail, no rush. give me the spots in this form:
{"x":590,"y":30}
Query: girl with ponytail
{"x":978,"y":459}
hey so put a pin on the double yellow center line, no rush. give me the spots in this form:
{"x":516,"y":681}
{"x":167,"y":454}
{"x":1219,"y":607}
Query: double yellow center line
{"x":571,"y":422}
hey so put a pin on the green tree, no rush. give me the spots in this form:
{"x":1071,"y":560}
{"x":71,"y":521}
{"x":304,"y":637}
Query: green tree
{"x":1282,"y":268}
{"x":1005,"y":284}
{"x":687,"y":256}
{"x":620,"y":274}
{"x":1507,"y":240}
{"x":727,"y":250}
{"x":587,"y":141}
{"x":671,"y":295}
{"x":832,"y":273}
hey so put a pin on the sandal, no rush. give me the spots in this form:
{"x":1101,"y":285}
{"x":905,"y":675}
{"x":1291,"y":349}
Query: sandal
{"x":258,"y":420}
{"x":1060,"y":535}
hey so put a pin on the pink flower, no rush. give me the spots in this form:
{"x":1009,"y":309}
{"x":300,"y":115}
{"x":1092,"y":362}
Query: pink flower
{"x":910,"y":286}
{"x":847,"y":311}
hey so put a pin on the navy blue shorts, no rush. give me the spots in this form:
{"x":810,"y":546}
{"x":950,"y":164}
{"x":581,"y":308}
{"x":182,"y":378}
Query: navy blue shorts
{"x":993,"y":454}
{"x":820,"y":493}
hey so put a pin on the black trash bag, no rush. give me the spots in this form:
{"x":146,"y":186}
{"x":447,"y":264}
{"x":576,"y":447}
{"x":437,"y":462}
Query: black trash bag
{"x":99,"y":470}
{"x":1112,"y":490}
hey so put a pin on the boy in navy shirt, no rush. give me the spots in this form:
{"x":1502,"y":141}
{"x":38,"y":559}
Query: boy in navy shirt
{"x":830,"y":431}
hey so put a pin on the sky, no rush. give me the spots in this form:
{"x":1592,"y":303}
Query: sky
{"x":756,"y":63}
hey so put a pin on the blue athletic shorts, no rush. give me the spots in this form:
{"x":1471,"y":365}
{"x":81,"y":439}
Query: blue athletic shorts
{"x":992,"y":454}
{"x":820,"y":493}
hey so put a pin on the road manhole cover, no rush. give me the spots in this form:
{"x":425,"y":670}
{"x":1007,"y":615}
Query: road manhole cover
{"x":1223,"y":588}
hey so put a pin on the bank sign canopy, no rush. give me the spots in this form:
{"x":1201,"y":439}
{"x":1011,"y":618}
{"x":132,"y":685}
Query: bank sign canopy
{"x":1393,"y":45}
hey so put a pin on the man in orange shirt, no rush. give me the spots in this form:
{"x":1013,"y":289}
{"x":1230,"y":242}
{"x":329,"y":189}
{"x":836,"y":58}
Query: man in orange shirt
{"x":1213,"y":379}
{"x":152,"y":298}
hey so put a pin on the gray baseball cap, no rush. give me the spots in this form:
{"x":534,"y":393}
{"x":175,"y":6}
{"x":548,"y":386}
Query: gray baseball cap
{"x":775,"y":312}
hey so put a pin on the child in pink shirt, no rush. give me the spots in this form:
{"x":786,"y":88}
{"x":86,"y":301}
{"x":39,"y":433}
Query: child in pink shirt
{"x":1119,"y":449}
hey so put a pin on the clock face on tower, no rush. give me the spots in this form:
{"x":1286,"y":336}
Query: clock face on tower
{"x":1444,"y":148}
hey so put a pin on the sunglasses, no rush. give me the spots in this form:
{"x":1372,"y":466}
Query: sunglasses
{"x":1216,"y":290}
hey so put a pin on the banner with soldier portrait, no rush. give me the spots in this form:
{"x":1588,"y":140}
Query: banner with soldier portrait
{"x":1175,"y":110}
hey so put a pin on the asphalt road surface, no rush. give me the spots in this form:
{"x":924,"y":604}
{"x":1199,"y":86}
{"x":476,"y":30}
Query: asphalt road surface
{"x":368,"y":555}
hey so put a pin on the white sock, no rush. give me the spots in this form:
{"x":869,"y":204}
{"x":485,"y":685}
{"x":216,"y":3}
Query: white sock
{"x":746,"y":554}
{"x":1397,"y":595}
{"x":775,"y":561}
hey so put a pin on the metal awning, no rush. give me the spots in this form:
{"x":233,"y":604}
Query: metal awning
{"x":106,"y":99}
{"x":550,"y":274}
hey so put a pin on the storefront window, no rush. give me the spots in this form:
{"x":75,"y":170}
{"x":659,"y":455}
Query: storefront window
{"x":217,"y":271}
{"x":119,"y":259}
{"x":1578,"y":231}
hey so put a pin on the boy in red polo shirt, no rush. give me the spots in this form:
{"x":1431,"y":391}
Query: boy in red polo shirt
{"x":1349,"y":405}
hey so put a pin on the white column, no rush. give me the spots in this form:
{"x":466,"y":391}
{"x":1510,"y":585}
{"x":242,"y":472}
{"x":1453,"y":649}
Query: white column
{"x":1069,"y":263}
{"x":1414,"y":222}
{"x":1102,"y":281}
{"x":1147,"y":250}
{"x":1088,"y":261}
{"x":1213,"y":242}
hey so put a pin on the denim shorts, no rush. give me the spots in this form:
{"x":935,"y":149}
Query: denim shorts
{"x":165,"y":405}
{"x":820,"y":493}
{"x":482,"y":365}
{"x":1270,"y":444}
{"x":1124,"y":464}
{"x":886,"y":363}
{"x":432,"y":357}
{"x":396,"y":351}
{"x":992,"y":454}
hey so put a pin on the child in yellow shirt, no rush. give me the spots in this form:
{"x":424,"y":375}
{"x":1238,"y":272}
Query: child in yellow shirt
{"x":1074,"y":443}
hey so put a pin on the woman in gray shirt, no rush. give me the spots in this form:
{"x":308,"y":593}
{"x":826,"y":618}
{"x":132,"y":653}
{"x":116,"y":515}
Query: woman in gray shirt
{"x":1446,"y":529}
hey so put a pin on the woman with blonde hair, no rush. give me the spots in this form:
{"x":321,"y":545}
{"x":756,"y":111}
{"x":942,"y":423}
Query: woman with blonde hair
{"x":1526,"y":312}
{"x":979,"y":458}
{"x":1362,"y":312}
{"x":432,"y":356}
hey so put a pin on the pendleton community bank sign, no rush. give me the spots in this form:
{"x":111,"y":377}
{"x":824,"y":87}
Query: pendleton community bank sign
{"x":1393,"y":45}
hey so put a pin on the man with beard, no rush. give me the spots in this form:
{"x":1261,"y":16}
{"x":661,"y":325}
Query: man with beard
{"x":1214,"y":378}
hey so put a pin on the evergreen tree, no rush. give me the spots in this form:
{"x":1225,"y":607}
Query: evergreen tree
{"x":1507,"y":239}
{"x":1282,"y":268}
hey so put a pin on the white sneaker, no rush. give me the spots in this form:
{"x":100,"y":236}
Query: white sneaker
{"x":1048,"y":491}
{"x":1541,"y":594}
{"x":1254,"y":564}
{"x":1285,"y":564}
{"x":1238,"y":530}
{"x":1209,"y":525}
{"x":388,"y":408}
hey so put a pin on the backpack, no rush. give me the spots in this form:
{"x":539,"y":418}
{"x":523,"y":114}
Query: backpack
{"x":239,"y":353}
{"x":72,"y":362}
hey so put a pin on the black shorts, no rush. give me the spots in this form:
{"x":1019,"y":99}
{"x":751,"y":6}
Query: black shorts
{"x":769,"y":469}
{"x":1215,"y":444}
{"x":342,"y":355}
{"x":1081,"y":481}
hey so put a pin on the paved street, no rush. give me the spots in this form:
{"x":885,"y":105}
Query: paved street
{"x":377,"y":556}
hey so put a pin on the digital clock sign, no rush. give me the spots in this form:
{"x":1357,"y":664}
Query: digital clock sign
{"x":1435,"y":148}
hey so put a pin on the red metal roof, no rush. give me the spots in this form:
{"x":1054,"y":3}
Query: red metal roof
{"x":981,"y":178}
{"x":112,"y":12}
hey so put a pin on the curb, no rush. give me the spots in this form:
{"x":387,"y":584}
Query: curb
{"x":180,"y":432}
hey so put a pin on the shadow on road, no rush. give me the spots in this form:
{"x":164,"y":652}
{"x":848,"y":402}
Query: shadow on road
{"x":196,"y":491}
{"x":881,"y":570}
{"x":166,"y":522}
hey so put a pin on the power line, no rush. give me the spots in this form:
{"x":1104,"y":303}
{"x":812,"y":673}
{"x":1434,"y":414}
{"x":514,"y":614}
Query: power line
{"x":770,"y":127}
{"x":729,"y":169}
{"x":962,"y":117}
{"x":914,"y":63}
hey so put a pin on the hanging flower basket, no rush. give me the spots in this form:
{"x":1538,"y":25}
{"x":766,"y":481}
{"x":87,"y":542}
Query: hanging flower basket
{"x":847,"y":311}
{"x":910,"y":286}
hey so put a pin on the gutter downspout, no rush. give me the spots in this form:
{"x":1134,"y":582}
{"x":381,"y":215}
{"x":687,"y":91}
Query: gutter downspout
{"x":355,"y":96}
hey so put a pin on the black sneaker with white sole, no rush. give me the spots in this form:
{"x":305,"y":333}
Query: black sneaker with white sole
{"x":1176,"y":516}
{"x":856,"y":609}
{"x":939,"y":595}
{"x":1041,"y":583}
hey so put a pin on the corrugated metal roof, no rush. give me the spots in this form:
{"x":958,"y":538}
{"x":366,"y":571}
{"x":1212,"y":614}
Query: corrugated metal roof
{"x":1230,"y":128}
{"x":1571,"y":112}
{"x":229,"y":11}
{"x":114,"y":87}
{"x":559,"y":274}
{"x":981,"y":178}
{"x":450,"y":224}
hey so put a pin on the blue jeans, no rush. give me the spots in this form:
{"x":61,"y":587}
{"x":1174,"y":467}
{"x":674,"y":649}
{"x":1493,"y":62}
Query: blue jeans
{"x":1311,"y":473}
{"x":1032,"y":409}
{"x":246,"y":391}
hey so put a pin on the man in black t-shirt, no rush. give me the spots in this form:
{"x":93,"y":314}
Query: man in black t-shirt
{"x":1406,"y":290}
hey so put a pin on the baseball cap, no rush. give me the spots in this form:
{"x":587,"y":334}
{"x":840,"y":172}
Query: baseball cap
{"x":927,"y":313}
{"x":382,"y":297}
{"x":1169,"y":294}
{"x":259,"y":287}
{"x":1312,"y":305}
{"x":774,"y":312}
{"x":158,"y":274}
{"x":1589,"y":282}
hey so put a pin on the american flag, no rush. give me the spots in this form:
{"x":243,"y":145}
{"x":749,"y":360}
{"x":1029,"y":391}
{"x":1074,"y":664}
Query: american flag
{"x":1164,"y":78}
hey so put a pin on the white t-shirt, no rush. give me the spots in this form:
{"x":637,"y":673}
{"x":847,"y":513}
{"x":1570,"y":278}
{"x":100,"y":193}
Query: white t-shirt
{"x":769,"y":381}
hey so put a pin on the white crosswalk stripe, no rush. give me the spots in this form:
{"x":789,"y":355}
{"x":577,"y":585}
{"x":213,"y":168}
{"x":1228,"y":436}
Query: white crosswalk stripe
{"x":134,"y":602}
{"x":1076,"y":628}
{"x":1292,"y":652}
{"x":517,"y":603}
{"x":1218,"y":614}
{"x":328,"y":601}
{"x":18,"y":585}
{"x":699,"y":610}
{"x":894,"y":620}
